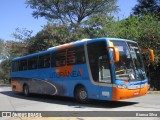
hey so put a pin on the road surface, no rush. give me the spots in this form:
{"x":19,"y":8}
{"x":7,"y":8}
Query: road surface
{"x":11,"y":101}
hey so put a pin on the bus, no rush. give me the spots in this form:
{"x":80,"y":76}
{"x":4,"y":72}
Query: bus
{"x":101,"y":68}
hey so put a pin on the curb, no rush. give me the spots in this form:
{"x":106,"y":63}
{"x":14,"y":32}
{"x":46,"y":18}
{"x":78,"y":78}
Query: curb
{"x":5,"y":85}
{"x":153,"y":92}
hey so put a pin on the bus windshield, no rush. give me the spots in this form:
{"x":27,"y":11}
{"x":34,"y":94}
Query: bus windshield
{"x":130,"y":66}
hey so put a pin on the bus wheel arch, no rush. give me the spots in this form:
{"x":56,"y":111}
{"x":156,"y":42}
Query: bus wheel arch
{"x":80,"y":93}
{"x":26,"y":89}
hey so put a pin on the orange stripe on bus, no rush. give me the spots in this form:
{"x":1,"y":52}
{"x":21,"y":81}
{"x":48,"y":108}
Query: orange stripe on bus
{"x":65,"y":46}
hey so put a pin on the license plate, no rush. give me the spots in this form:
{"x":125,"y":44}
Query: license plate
{"x":136,"y":93}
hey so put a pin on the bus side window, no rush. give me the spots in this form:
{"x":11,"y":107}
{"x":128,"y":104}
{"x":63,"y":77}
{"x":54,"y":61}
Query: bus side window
{"x":71,"y":59}
{"x":59,"y":58}
{"x":23,"y":65}
{"x":80,"y":55}
{"x":32,"y":63}
{"x":76,"y":55}
{"x":44,"y":61}
{"x":15,"y":66}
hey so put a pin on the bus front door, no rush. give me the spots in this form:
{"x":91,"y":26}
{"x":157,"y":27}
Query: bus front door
{"x":105,"y":79}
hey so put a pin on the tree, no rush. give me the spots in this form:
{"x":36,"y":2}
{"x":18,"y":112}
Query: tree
{"x":1,"y":49}
{"x":147,"y":6}
{"x":96,"y":25}
{"x":16,"y":49}
{"x":70,"y":12}
{"x":3,"y":53}
{"x":19,"y":46}
{"x":69,"y":20}
{"x":5,"y":70}
{"x":51,"y":35}
{"x":127,"y":28}
{"x":12,"y":49}
{"x":22,"y":34}
{"x":145,"y":30}
{"x":1,"y":44}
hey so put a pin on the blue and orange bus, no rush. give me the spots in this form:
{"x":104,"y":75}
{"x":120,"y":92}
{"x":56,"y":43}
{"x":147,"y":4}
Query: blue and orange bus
{"x":101,"y":68}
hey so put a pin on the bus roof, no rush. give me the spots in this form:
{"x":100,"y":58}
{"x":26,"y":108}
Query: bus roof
{"x":67,"y":45}
{"x":120,"y":39}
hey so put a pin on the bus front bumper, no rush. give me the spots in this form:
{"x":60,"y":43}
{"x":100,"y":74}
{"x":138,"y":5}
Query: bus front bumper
{"x":125,"y":93}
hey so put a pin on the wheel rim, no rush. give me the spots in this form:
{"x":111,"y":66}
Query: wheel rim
{"x":83,"y":95}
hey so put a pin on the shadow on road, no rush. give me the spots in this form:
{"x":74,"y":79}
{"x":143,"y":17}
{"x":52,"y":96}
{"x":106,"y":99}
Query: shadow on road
{"x":68,"y":101}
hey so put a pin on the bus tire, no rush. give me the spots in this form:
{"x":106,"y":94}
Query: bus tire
{"x":26,"y":90}
{"x":81,"y":94}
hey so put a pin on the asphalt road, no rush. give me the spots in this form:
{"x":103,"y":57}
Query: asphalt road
{"x":11,"y":101}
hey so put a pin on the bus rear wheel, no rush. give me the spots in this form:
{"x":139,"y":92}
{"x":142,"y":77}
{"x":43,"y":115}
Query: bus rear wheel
{"x":81,"y":95}
{"x":26,"y":90}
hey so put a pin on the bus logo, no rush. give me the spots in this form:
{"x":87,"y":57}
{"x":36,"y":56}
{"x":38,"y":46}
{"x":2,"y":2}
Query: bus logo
{"x":67,"y":74}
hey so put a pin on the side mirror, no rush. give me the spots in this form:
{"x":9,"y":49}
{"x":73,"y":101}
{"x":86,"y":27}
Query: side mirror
{"x":115,"y":52}
{"x":151,"y":53}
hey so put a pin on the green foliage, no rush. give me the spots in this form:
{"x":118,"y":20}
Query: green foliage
{"x":50,"y":36}
{"x":19,"y":47}
{"x":22,"y":34}
{"x":3,"y":53}
{"x":5,"y":70}
{"x":53,"y":35}
{"x":1,"y":45}
{"x":133,"y":28}
{"x":70,"y":20}
{"x":16,"y":49}
{"x":1,"y":72}
{"x":1,"y":49}
{"x":70,"y":12}
{"x":148,"y":12}
{"x":145,"y":30}
{"x":147,"y":6}
{"x":150,"y":32}
{"x":96,"y":25}
{"x":11,"y":50}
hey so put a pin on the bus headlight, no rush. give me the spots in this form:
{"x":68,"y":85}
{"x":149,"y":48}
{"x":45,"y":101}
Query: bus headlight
{"x":121,"y":86}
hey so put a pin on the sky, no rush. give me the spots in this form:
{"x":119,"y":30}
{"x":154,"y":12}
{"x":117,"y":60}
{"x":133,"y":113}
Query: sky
{"x":15,"y":13}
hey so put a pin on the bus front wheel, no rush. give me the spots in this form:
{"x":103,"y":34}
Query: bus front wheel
{"x":81,"y":95}
{"x":26,"y":90}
